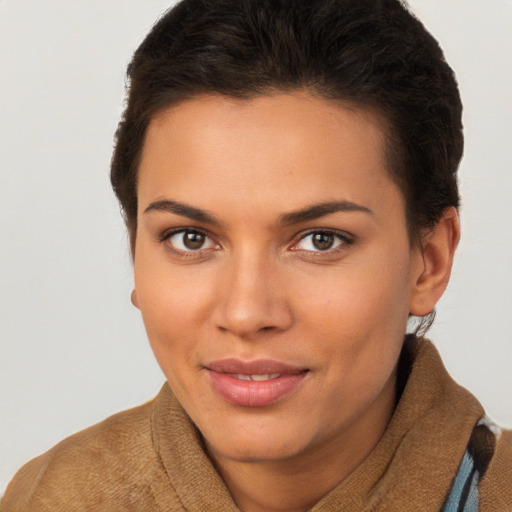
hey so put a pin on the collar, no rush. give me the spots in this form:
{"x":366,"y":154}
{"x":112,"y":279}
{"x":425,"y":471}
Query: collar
{"x":411,"y":468}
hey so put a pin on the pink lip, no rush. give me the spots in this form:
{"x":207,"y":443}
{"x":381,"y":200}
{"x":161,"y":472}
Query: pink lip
{"x":249,"y":393}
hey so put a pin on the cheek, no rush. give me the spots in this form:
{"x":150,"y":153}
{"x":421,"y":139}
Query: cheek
{"x":174,"y":303}
{"x":356,"y":320}
{"x":357,"y":331}
{"x":354,"y":300}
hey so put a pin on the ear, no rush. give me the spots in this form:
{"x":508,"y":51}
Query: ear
{"x":434,"y":265}
{"x":134,"y":298}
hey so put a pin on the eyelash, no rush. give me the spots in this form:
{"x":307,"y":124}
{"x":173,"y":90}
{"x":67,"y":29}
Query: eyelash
{"x":345,"y":239}
{"x":167,"y":235}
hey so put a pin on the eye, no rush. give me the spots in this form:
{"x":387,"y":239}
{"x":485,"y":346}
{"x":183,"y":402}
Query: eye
{"x":190,"y":240}
{"x":321,"y":241}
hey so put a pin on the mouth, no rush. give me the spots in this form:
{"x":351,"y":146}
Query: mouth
{"x":254,"y":384}
{"x":256,"y":378}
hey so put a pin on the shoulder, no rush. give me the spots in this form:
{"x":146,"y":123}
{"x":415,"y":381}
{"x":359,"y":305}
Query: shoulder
{"x":112,"y":463}
{"x":496,"y":485}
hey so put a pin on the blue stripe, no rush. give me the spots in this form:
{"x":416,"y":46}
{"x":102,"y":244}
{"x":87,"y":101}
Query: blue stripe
{"x":472,"y":500}
{"x":466,"y":471}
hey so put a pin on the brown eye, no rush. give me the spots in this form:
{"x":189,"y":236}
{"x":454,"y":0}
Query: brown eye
{"x":189,"y":240}
{"x":323,"y":241}
{"x":193,"y":241}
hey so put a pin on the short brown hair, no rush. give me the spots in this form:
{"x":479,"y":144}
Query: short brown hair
{"x":373,"y":53}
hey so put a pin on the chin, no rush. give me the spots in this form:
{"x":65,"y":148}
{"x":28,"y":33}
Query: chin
{"x":254,"y":451}
{"x":257,"y":444}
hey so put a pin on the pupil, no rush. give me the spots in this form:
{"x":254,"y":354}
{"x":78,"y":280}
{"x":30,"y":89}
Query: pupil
{"x":323,"y":241}
{"x":193,"y":240}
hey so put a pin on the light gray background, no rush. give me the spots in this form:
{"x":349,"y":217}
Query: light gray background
{"x":73,"y":349}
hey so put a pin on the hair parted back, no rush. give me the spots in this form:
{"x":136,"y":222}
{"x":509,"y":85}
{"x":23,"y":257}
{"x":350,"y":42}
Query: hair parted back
{"x":372,"y":53}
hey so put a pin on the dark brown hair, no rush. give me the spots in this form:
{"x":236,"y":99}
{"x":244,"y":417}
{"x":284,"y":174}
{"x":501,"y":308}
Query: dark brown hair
{"x":372,"y":53}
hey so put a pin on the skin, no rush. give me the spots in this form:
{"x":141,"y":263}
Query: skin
{"x":259,"y":287}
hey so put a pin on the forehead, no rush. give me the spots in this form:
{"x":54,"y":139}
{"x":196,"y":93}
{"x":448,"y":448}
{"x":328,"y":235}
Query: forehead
{"x":280,"y":150}
{"x":210,"y":114}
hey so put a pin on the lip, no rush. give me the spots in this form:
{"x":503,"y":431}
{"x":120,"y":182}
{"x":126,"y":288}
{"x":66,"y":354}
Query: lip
{"x":249,"y":393}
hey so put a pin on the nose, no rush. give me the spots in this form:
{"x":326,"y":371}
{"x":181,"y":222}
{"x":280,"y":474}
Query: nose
{"x":252,"y":297}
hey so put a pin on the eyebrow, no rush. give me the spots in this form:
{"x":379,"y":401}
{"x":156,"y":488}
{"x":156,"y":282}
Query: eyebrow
{"x":184,"y":210}
{"x":311,"y":212}
{"x":316,"y":211}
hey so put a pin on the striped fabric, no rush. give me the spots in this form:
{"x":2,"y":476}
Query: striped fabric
{"x":463,"y":496}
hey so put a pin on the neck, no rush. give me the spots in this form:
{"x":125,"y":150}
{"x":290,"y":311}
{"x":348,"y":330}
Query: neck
{"x":295,"y":484}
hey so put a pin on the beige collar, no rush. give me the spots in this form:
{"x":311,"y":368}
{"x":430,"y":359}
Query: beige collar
{"x":411,"y":468}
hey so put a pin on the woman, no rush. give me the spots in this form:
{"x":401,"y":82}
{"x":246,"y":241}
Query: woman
{"x":287,"y":171}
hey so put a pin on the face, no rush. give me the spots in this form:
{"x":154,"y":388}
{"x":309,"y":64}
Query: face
{"x":273,"y":271}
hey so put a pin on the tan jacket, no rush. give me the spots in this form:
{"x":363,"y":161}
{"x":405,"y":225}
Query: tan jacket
{"x":151,"y":458}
